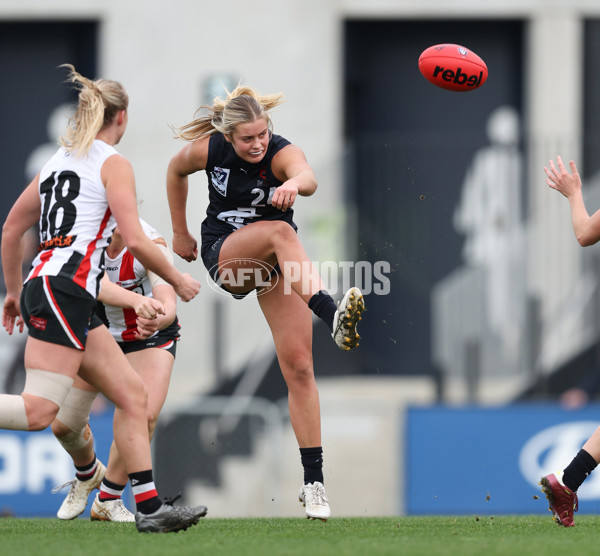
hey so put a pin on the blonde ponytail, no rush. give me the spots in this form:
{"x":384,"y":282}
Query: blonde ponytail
{"x":99,"y":102}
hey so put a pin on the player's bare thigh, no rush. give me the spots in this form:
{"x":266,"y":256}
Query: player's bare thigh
{"x":251,"y":247}
{"x":105,"y":367}
{"x":154,"y":366}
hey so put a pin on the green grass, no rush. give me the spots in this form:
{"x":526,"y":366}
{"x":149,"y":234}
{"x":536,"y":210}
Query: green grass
{"x":460,"y":536}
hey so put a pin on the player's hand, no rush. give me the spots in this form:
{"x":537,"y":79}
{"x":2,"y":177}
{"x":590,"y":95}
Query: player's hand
{"x":11,"y":314}
{"x":285,"y":195}
{"x":146,"y":327}
{"x":186,"y":246}
{"x":148,"y":307}
{"x":188,"y":287}
{"x":560,"y":179}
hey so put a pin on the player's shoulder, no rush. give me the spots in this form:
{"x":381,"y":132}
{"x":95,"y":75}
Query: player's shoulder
{"x":279,"y":140}
{"x":193,"y":156}
{"x":116,"y":161}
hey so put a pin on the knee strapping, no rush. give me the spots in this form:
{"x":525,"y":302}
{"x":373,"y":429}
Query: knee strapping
{"x":76,"y":440}
{"x":48,"y":385}
{"x":12,"y":413}
{"x":74,"y":412}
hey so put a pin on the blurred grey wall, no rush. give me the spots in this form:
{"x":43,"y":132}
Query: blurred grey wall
{"x":169,"y":55}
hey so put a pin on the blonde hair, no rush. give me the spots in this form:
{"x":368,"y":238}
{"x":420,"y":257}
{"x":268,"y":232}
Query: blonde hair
{"x":99,"y":102}
{"x":242,"y":105}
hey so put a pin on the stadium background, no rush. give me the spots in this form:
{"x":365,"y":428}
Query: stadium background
{"x":492,"y":303}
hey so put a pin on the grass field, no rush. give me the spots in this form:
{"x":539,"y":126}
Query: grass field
{"x":460,"y":536}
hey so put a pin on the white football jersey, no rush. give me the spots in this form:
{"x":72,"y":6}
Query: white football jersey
{"x":126,"y":271}
{"x":75,"y":221}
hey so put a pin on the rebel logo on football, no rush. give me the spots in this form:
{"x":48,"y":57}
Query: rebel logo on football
{"x":459,"y":77}
{"x":453,"y":67}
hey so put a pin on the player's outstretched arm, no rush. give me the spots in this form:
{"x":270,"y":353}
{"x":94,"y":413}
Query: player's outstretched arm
{"x":117,"y":175}
{"x":586,"y":227}
{"x":145,"y":307}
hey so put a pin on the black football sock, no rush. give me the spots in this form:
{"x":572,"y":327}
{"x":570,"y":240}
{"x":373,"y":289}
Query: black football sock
{"x":144,"y":492}
{"x":86,"y":472}
{"x":110,"y":490}
{"x":322,"y":305}
{"x":578,"y":470}
{"x":312,"y":461}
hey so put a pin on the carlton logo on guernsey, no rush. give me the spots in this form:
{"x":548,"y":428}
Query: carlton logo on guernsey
{"x":76,"y":222}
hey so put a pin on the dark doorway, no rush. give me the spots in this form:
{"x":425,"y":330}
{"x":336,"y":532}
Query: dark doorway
{"x":33,"y":86}
{"x":409,"y":145}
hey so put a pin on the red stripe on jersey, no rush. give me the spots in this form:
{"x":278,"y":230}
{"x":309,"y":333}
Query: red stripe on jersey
{"x":126,"y":272}
{"x":56,"y":308}
{"x":43,"y":260}
{"x":83,"y":271}
{"x":128,"y":334}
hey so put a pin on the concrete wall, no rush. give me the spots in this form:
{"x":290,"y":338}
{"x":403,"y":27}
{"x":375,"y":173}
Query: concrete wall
{"x":166,"y":52}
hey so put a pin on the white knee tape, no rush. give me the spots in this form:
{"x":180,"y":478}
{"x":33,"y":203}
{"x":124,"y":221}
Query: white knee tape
{"x":75,"y":410}
{"x":48,"y":385}
{"x":12,"y":413}
{"x":76,"y":440}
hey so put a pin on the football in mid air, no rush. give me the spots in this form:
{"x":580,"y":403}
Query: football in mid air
{"x":453,"y":67}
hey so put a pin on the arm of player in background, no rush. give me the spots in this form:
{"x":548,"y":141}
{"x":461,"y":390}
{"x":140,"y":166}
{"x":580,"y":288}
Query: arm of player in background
{"x":145,"y":307}
{"x":163,"y":292}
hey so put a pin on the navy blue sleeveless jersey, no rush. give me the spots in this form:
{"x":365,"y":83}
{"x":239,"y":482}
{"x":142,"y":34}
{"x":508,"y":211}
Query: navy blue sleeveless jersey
{"x":239,"y":192}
